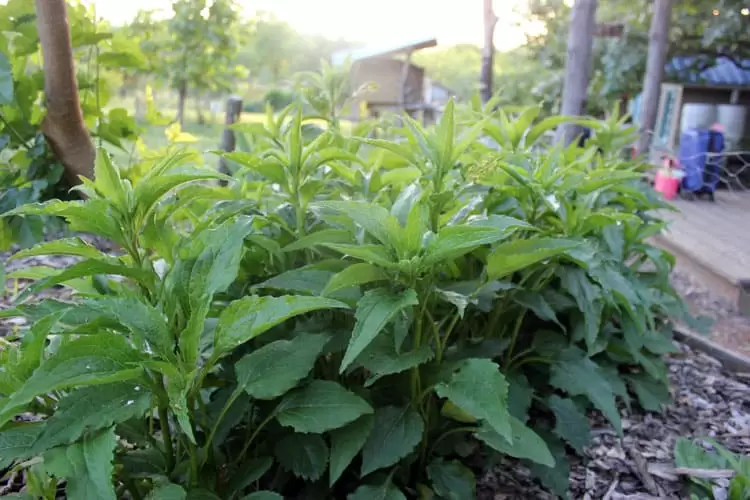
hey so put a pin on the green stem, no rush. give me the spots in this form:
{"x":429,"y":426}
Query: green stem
{"x":447,"y":433}
{"x":252,"y":437}
{"x":444,"y":344}
{"x":167,"y":435}
{"x":221,"y":416}
{"x":514,"y":338}
{"x":14,"y":131}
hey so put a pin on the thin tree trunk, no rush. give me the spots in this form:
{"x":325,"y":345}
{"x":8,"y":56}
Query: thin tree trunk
{"x":577,"y":65}
{"x":658,"y":43}
{"x":198,"y":110}
{"x":488,"y":52}
{"x":63,"y":124}
{"x":181,"y":97}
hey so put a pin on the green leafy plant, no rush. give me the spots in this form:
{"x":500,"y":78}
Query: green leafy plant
{"x":349,"y":316}
{"x":701,"y":464}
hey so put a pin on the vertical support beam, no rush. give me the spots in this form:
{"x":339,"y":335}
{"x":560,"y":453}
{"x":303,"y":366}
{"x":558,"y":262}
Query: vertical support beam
{"x":228,"y":139}
{"x":405,"y":80}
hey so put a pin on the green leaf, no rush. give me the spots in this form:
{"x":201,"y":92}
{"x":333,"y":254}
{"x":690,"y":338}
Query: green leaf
{"x":263,"y":495}
{"x":275,"y":368}
{"x":146,"y":323}
{"x":513,"y":256}
{"x":535,"y":302}
{"x":385,"y":491}
{"x":310,"y":281}
{"x":380,"y":358}
{"x":346,"y":442}
{"x":555,"y":478}
{"x":304,"y":455}
{"x":454,"y":241}
{"x":374,"y":219}
{"x":319,"y":238}
{"x":374,"y":310}
{"x":147,"y":194}
{"x":89,"y":360}
{"x":86,"y":466}
{"x":90,"y":267}
{"x":451,"y":480}
{"x":319,"y":407}
{"x":93,"y":408}
{"x":16,"y":442}
{"x":586,"y":294}
{"x":571,"y":424}
{"x":375,"y":254}
{"x":251,"y":316}
{"x":6,"y":81}
{"x":249,"y":472}
{"x":108,"y":183}
{"x":354,"y":275}
{"x":579,"y":376}
{"x":167,"y":492}
{"x":479,"y":389}
{"x":395,"y":433}
{"x":67,"y":246}
{"x":520,"y":395}
{"x":653,"y":395}
{"x":526,"y":443}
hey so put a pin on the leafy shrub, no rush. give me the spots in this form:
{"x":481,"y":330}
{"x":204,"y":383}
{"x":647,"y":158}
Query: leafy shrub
{"x":694,"y":458}
{"x":349,"y":316}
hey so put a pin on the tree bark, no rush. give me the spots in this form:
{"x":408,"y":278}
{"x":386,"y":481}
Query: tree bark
{"x":181,"y":97}
{"x":198,"y":110}
{"x":228,"y":139}
{"x":488,"y":52}
{"x":577,"y":65}
{"x":658,"y":44}
{"x":63,"y":124}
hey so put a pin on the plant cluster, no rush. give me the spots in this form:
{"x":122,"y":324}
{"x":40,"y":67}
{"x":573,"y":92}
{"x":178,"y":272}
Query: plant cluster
{"x":348,"y":316}
{"x":704,"y":466}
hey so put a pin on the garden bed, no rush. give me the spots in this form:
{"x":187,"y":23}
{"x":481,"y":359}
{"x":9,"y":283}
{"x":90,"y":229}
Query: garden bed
{"x":707,"y":402}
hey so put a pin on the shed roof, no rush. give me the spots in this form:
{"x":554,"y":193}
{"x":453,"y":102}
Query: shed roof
{"x":724,"y":73}
{"x":382,"y":51}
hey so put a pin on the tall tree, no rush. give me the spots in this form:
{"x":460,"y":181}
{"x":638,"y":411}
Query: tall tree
{"x":658,"y":43}
{"x":577,"y":65}
{"x":488,"y":51}
{"x":63,"y":125}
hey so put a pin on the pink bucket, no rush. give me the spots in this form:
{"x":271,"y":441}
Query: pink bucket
{"x":666,"y":184}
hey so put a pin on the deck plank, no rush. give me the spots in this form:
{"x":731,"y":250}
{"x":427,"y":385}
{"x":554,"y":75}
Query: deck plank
{"x":715,"y":234}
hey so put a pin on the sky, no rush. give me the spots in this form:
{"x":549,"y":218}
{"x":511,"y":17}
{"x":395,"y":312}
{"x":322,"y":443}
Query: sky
{"x":374,"y":22}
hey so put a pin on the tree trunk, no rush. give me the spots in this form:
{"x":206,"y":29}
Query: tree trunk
{"x":181,"y":97}
{"x":228,"y":139}
{"x":488,"y":52}
{"x":63,"y":124}
{"x":577,"y":65}
{"x":198,"y":110}
{"x":658,"y":43}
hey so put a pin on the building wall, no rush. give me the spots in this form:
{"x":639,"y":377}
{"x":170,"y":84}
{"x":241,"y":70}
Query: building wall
{"x":386,"y":74}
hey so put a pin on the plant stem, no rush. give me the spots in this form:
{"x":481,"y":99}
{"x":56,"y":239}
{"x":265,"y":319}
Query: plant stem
{"x":167,"y":435}
{"x":447,"y":433}
{"x":252,"y":437}
{"x":514,"y":338}
{"x":444,"y":344}
{"x":221,"y":416}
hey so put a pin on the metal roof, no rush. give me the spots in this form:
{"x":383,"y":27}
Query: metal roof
{"x":382,"y":51}
{"x":687,"y":70}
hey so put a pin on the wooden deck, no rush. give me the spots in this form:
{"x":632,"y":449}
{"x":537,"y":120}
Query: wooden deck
{"x":713,"y":239}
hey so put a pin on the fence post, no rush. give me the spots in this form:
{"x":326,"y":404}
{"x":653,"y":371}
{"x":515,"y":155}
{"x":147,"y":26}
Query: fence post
{"x":228,"y":140}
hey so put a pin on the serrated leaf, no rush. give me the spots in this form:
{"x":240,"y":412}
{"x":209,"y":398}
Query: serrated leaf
{"x":513,"y":256}
{"x":384,"y":491}
{"x":167,"y":492}
{"x":86,"y":466}
{"x":93,"y":408}
{"x":653,"y":395}
{"x":304,"y":455}
{"x":263,"y":495}
{"x":479,"y":389}
{"x":354,"y":275}
{"x":374,"y":311}
{"x":380,"y":358}
{"x":16,"y":442}
{"x":319,"y":407}
{"x":555,"y":478}
{"x":107,"y":181}
{"x":395,"y":433}
{"x":526,"y":443}
{"x":88,"y":360}
{"x":346,"y":442}
{"x":251,"y":316}
{"x":454,"y":241}
{"x":535,"y":302}
{"x":570,"y":423}
{"x":520,"y":395}
{"x":319,"y":238}
{"x":146,"y":323}
{"x":67,"y":246}
{"x":374,"y":219}
{"x":275,"y":368}
{"x":451,"y":480}
{"x":249,"y":472}
{"x":578,"y":376}
{"x":586,"y":295}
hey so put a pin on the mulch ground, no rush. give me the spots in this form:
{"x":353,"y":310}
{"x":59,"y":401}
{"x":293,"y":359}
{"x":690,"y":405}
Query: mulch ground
{"x":707,"y":402}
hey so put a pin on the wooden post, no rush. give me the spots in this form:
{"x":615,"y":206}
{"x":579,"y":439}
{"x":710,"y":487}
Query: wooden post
{"x":577,"y":65}
{"x":658,"y":42}
{"x":405,"y":79}
{"x":228,"y":140}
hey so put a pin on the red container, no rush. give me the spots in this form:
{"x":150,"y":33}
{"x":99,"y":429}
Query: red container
{"x":666,"y":184}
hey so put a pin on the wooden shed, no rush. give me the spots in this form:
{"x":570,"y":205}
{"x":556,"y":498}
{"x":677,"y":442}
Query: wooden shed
{"x":399,"y":85}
